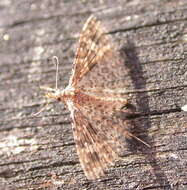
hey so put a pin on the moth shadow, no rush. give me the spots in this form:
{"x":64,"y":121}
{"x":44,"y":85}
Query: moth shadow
{"x":140,"y":120}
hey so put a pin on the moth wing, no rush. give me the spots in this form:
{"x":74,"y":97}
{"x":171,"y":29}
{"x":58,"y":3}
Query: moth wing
{"x":97,"y":63}
{"x":96,"y":134}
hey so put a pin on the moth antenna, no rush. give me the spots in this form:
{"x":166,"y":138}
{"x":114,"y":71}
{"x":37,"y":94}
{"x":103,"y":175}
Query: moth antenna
{"x":41,"y":110}
{"x":55,"y":60}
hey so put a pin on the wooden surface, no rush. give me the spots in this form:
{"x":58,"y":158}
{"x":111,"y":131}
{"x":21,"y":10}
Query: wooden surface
{"x":39,"y":152}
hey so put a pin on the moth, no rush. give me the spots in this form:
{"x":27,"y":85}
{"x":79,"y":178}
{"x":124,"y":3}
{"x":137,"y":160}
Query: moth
{"x":93,"y":96}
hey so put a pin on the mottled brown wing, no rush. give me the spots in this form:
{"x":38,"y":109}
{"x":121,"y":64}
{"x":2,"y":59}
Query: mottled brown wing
{"x":96,"y":132}
{"x":97,"y":63}
{"x":94,"y":148}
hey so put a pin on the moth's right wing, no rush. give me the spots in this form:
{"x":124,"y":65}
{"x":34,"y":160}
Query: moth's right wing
{"x":97,"y":62}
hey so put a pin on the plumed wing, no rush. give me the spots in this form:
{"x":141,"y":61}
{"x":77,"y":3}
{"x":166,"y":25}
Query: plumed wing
{"x":97,"y":62}
{"x":95,"y":150}
{"x":96,"y":132}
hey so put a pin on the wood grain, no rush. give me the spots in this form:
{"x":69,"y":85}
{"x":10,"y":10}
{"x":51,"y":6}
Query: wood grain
{"x":39,"y":152}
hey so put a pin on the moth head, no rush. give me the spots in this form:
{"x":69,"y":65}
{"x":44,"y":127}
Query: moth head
{"x":52,"y":93}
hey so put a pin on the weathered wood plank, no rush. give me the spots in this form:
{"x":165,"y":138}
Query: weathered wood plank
{"x":39,"y":152}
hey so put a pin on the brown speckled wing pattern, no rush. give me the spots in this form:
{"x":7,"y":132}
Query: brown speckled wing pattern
{"x":97,"y":63}
{"x":96,"y":97}
{"x":99,"y":80}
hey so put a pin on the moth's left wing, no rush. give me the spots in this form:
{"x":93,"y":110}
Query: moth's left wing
{"x":97,"y":140}
{"x":94,"y":148}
